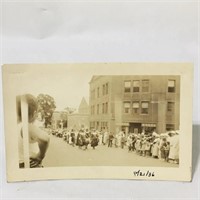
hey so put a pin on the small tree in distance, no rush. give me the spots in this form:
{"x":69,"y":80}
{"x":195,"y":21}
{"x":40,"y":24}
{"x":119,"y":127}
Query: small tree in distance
{"x":69,"y":110}
{"x":46,"y":106}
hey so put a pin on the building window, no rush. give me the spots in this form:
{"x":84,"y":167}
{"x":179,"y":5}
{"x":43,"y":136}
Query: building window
{"x":106,"y":107}
{"x":103,"y":90}
{"x":136,"y":107}
{"x":93,"y":94}
{"x":92,"y":125}
{"x":136,"y":86}
{"x":170,"y":127}
{"x":92,"y":110}
{"x":106,"y":88}
{"x":104,"y":125}
{"x":127,"y":106}
{"x":171,"y":85}
{"x":97,"y":127}
{"x":98,"y":92}
{"x":127,"y":86}
{"x":97,"y":109}
{"x":170,"y":106}
{"x":145,"y":107}
{"x":145,"y":85}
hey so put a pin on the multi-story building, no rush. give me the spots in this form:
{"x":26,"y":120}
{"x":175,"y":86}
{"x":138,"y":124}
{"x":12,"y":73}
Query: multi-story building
{"x":135,"y":103}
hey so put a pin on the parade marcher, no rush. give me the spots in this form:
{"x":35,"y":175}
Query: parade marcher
{"x":123,"y":140}
{"x":110,"y":139}
{"x":162,"y":148}
{"x":105,"y":137}
{"x":68,"y":135}
{"x":83,"y":139}
{"x":94,"y":140}
{"x":72,"y":138}
{"x":118,"y":139}
{"x":147,"y":147}
{"x":155,"y":147}
{"x":174,"y":147}
{"x":130,"y":143}
{"x":100,"y":138}
{"x":137,"y":145}
{"x":166,"y":150}
{"x":134,"y":138}
{"x":115,"y":140}
{"x":65,"y":136}
{"x":143,"y":145}
{"x":79,"y":140}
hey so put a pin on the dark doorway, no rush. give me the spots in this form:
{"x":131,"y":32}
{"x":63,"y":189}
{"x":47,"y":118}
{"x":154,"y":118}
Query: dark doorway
{"x":135,"y":127}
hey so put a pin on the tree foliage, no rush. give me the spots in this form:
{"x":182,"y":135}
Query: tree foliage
{"x":69,"y":110}
{"x":46,"y":106}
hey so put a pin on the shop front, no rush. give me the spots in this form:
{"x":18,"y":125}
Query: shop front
{"x":148,"y":128}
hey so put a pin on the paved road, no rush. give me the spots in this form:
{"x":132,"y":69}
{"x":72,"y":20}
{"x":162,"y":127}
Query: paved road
{"x":62,"y":154}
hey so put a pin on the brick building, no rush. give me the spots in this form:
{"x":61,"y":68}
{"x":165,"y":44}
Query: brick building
{"x":135,"y":103}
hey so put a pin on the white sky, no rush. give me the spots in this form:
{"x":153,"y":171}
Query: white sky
{"x":66,"y":89}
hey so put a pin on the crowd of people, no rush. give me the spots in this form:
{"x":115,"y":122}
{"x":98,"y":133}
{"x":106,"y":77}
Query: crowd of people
{"x":164,"y":146}
{"x":81,"y":138}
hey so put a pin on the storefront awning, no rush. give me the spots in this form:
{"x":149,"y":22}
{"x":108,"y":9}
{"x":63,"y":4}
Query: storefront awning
{"x":122,"y":124}
{"x":148,"y":125}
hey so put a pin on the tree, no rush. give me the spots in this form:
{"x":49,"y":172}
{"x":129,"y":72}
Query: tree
{"x":46,"y":106}
{"x":64,"y":117}
{"x":69,"y":110}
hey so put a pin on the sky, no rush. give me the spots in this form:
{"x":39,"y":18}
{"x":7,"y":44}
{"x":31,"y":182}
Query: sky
{"x":67,"y":88}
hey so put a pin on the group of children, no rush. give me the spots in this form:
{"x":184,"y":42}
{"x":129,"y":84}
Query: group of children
{"x":163,"y":146}
{"x":81,"y":138}
{"x":154,"y":145}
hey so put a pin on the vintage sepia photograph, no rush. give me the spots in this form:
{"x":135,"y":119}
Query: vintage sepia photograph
{"x":67,"y":118}
{"x":127,"y":120}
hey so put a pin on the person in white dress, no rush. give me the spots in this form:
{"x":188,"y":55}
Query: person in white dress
{"x":174,"y":147}
{"x":105,"y":137}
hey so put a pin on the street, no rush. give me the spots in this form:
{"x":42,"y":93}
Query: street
{"x":61,"y":154}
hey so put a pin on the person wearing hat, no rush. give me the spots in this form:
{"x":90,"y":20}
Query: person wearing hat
{"x":155,"y":147}
{"x":147,"y":147}
{"x":174,"y":147}
{"x":137,"y":145}
{"x":110,"y":139}
{"x":105,"y":137}
{"x":163,"y":145}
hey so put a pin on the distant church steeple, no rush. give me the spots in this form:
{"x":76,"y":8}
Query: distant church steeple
{"x":83,"y":107}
